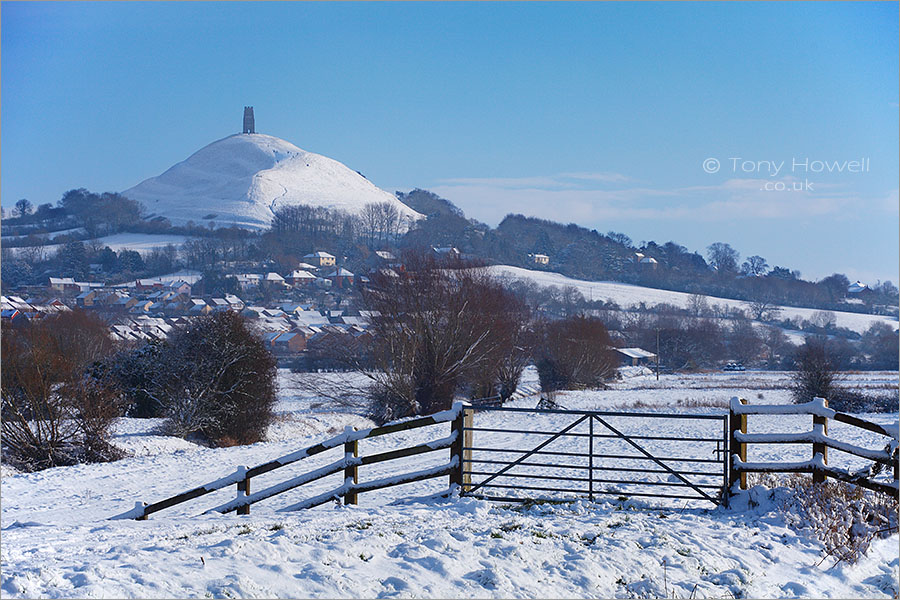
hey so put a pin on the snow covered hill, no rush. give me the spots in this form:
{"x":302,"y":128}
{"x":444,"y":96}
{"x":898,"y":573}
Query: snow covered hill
{"x":240,"y":180}
{"x":627,"y":295}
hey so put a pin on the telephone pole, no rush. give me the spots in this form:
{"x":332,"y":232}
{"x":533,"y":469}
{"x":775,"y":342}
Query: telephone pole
{"x":657,"y":353}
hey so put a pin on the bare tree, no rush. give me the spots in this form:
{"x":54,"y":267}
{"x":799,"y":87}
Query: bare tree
{"x":23,"y":207}
{"x":764,"y":309}
{"x":697,"y":305}
{"x":755,"y":265}
{"x":575,"y":353}
{"x":436,"y":329}
{"x":744,"y":343}
{"x":723,"y":257}
{"x":816,"y":374}
{"x":54,"y":412}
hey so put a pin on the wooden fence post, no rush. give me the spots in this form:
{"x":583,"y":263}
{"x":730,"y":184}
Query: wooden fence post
{"x":243,"y":489}
{"x":141,"y":505}
{"x":818,"y":447}
{"x":351,"y":450}
{"x":737,"y":423}
{"x":456,"y":427}
{"x":459,"y":448}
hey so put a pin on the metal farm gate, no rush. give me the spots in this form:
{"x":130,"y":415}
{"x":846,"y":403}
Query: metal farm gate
{"x":566,"y":454}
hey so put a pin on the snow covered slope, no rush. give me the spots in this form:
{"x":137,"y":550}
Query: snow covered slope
{"x":240,"y":179}
{"x":627,"y":295}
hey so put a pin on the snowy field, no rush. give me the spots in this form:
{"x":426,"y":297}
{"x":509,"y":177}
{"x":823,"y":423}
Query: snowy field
{"x":57,"y":542}
{"x":627,"y":295}
{"x":140,"y":242}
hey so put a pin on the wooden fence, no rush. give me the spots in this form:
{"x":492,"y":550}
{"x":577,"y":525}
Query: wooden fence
{"x":459,"y":416}
{"x":818,"y":465}
{"x":460,"y":446}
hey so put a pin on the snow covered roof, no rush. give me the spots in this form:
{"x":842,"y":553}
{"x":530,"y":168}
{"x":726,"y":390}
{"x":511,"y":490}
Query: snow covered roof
{"x":319,"y":254}
{"x":306,"y":267}
{"x":342,"y":272}
{"x":299,"y":274}
{"x":385,"y":255}
{"x":62,"y":281}
{"x":857,"y":287}
{"x":286,"y":337}
{"x":636,"y":353}
{"x":274,"y":277}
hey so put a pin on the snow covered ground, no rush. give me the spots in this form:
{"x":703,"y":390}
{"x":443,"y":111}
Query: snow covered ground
{"x":140,"y":242}
{"x":57,"y":542}
{"x":627,"y":295}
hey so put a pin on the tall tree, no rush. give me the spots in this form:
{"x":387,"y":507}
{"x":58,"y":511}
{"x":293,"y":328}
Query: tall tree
{"x":23,"y":207}
{"x":723,"y":257}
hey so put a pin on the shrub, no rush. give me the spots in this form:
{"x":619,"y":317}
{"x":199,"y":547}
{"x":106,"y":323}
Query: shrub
{"x":214,"y":379}
{"x":575,"y":353}
{"x":816,"y":373}
{"x":440,"y":328}
{"x":56,"y":409}
{"x":844,"y":517}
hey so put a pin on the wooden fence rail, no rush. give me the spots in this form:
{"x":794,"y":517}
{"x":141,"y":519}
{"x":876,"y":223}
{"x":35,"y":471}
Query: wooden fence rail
{"x":457,"y":416}
{"x":818,"y":466}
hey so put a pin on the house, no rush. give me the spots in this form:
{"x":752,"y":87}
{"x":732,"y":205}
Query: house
{"x":199,"y":307}
{"x":637,"y":356}
{"x":234,"y":302}
{"x":291,"y":308}
{"x":446,"y":252}
{"x":181,"y":287}
{"x":142,"y":306}
{"x":300,"y":278}
{"x":10,"y":314}
{"x":860,"y":291}
{"x":124,"y":303}
{"x":649,"y":262}
{"x":289,"y":342}
{"x":320,"y":259}
{"x":274,"y":279}
{"x":143,"y":285}
{"x":174,"y":308}
{"x":249,"y":280}
{"x":64,"y":284}
{"x":111,"y":299}
{"x":270,"y":336}
{"x":86,"y":298}
{"x":540,"y":259}
{"x":341,"y":278}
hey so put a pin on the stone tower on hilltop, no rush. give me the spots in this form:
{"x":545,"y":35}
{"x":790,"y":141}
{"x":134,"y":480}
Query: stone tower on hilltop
{"x":249,"y":123}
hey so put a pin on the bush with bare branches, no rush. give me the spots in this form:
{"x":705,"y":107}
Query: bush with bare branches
{"x":438,"y":329}
{"x":575,"y":353}
{"x":56,"y":409}
{"x":214,"y":379}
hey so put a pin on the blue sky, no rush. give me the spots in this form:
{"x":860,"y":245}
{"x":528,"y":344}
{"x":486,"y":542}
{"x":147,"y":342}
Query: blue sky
{"x":596,"y":113}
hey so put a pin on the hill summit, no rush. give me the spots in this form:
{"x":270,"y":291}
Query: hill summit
{"x":241,"y":179}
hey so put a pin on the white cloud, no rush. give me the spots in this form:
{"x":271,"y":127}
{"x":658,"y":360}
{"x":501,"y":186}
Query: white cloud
{"x":556,"y":197}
